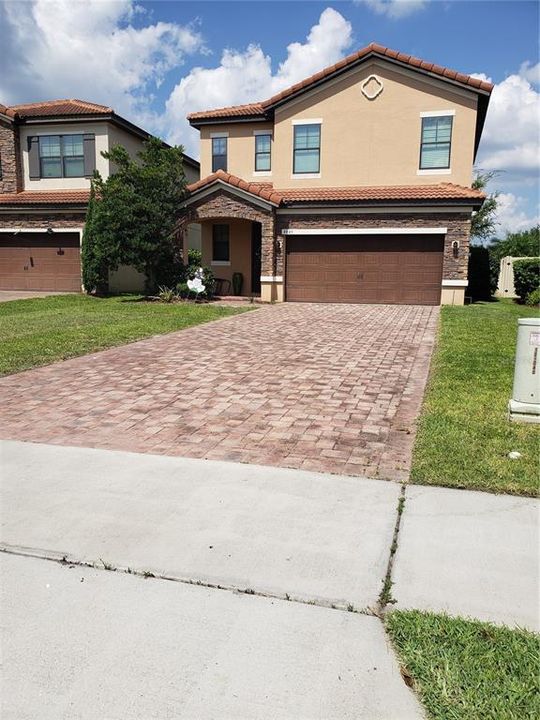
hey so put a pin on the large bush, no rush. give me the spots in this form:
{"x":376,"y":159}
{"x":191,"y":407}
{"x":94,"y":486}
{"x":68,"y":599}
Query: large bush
{"x":133,"y":214}
{"x":526,"y":277}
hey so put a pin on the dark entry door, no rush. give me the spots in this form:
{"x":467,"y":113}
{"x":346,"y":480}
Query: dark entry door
{"x":256,"y":257}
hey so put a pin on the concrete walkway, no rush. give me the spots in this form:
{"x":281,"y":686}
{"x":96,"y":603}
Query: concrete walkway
{"x":272,"y":612}
{"x":86,"y":644}
{"x":469,"y":553}
{"x":7,"y":295}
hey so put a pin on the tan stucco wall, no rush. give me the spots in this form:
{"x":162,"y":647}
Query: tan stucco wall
{"x":240,"y":252}
{"x":240,"y":149}
{"x":100,"y":130}
{"x":131,"y":143}
{"x":363,"y":142}
{"x":452,"y":296}
{"x":126,"y":279}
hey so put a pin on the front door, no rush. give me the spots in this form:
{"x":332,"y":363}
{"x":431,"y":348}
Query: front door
{"x":255,"y":258}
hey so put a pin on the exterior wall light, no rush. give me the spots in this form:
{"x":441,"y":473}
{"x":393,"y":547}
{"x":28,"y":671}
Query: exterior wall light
{"x":455,"y":248}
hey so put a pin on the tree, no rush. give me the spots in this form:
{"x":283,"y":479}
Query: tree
{"x":132,"y":216}
{"x":483,"y":221}
{"x":525,"y":243}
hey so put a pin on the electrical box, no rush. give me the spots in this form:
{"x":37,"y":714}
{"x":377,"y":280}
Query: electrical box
{"x":525,"y":403}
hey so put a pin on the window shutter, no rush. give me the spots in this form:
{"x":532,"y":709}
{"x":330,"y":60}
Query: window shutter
{"x":89,"y":147}
{"x":33,"y":158}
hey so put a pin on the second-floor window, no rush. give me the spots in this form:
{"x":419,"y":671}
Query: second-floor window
{"x":220,"y":243}
{"x":307,"y":149}
{"x":61,"y":156}
{"x":219,"y":153}
{"x":436,"y":142}
{"x":262,"y":152}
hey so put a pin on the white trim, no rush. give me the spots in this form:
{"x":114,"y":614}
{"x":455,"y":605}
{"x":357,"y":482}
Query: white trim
{"x":262,"y":173}
{"x":307,"y":176}
{"x":41,"y":230}
{"x":437,"y":113}
{"x":366,"y":231}
{"x":221,"y":263}
{"x":264,"y":132}
{"x":230,"y":188}
{"x":224,"y":134}
{"x":455,"y":283}
{"x":435,"y":171}
{"x":307,"y":121}
{"x":271,"y":278}
{"x":380,"y":210}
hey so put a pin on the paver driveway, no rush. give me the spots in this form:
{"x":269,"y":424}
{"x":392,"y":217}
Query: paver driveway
{"x":322,"y":387}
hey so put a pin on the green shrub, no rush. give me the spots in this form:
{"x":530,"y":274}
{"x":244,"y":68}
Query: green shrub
{"x":526,"y":277}
{"x":533,"y":298}
{"x":167,"y":295}
{"x":194,"y":257}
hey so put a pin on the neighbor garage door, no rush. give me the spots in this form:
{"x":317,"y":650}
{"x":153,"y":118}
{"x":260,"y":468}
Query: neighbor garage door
{"x":401,"y":269}
{"x":40,"y":261}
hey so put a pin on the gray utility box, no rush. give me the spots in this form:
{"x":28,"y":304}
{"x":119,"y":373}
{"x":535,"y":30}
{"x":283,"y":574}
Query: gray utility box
{"x":525,"y":403}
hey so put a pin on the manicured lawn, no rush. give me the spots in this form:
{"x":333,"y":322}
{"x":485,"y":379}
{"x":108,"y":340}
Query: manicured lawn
{"x":41,"y":331}
{"x":464,"y":436}
{"x":464,"y":670}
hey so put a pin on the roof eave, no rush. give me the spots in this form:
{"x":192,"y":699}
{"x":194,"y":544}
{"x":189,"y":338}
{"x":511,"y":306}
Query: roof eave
{"x":387,"y":202}
{"x":221,"y":184}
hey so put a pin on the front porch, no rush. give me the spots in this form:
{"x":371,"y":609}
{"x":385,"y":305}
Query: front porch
{"x":237,"y":236}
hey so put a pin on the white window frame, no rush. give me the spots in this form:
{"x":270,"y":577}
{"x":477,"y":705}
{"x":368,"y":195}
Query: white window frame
{"x":436,"y":171}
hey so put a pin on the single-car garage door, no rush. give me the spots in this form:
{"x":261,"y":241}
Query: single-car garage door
{"x":40,"y":261}
{"x":400,"y":269}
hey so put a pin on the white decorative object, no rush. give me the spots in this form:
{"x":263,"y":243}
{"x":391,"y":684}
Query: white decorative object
{"x":514,"y":455}
{"x":371,"y":87}
{"x":197,"y":285}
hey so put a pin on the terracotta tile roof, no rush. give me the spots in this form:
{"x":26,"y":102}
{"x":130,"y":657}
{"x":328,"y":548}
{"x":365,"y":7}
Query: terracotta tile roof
{"x":362,"y":194}
{"x":53,"y":197}
{"x":441,"y":191}
{"x":53,"y":108}
{"x":262,"y":190}
{"x":259,"y":108}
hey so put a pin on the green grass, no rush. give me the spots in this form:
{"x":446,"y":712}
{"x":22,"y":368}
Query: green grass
{"x":40,"y":331}
{"x":467,"y":670}
{"x":464,"y":436}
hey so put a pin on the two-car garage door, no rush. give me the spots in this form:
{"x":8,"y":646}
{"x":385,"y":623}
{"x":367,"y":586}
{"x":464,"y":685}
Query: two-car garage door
{"x":40,"y":261}
{"x":400,"y":269}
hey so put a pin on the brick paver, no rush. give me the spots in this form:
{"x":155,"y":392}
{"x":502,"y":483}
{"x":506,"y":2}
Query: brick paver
{"x":321,"y":387}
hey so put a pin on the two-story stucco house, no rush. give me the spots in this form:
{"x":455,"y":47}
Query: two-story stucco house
{"x":351,"y":186}
{"x":48,"y":153}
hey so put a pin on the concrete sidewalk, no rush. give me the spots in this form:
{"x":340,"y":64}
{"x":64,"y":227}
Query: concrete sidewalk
{"x":469,"y":553}
{"x":82,"y":644}
{"x":279,"y":532}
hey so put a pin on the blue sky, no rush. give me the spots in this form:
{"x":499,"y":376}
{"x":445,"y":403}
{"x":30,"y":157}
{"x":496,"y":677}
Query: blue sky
{"x":156,"y":61}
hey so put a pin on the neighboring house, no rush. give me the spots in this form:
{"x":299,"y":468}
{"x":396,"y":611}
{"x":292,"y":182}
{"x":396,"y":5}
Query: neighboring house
{"x":48,"y":153}
{"x":351,"y":186}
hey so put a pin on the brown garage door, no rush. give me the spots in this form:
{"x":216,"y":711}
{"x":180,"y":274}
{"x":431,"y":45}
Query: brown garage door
{"x":401,"y":269}
{"x":39,"y":261}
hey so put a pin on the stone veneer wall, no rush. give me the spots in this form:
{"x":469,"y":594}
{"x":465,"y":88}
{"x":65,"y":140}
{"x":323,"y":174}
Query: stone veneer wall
{"x":10,"y":158}
{"x":41,"y":220}
{"x":458,"y":224}
{"x":220,"y":206}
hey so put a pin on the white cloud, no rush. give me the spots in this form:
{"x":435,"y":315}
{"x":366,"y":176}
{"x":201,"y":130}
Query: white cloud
{"x":394,"y":9}
{"x":530,"y":72}
{"x":246,"y":75}
{"x":513,"y":214}
{"x":511,"y":141}
{"x":91,"y":50}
